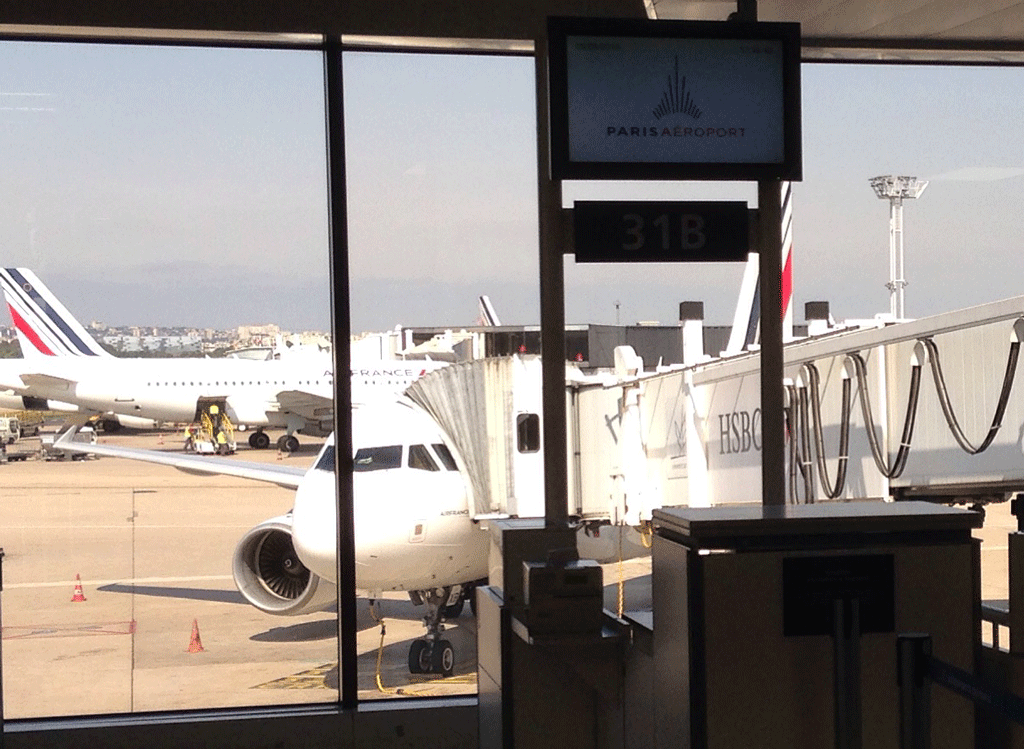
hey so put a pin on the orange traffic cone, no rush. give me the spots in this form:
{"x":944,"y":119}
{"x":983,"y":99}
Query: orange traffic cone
{"x":79,"y":595}
{"x":195,"y":645}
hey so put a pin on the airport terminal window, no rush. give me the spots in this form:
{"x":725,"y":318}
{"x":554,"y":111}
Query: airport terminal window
{"x":192,"y":179}
{"x":441,"y":209}
{"x":528,"y":433}
{"x":178,"y":187}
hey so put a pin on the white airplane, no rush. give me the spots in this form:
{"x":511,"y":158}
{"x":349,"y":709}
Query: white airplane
{"x":413,"y":528}
{"x":65,"y":366}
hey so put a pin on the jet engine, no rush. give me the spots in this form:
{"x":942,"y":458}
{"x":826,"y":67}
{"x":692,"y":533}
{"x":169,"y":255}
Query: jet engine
{"x":270,"y":575}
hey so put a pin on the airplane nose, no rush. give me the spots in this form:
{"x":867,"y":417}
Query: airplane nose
{"x":315,"y":523}
{"x":382,"y":501}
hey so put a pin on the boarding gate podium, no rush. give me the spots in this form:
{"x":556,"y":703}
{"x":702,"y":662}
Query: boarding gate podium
{"x":775,"y":626}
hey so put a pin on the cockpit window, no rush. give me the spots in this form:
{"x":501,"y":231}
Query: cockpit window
{"x":445,"y":455}
{"x":326,"y":462}
{"x":420,"y":459}
{"x":377,"y":458}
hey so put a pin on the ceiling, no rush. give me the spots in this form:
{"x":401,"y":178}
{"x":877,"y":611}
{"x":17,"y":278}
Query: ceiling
{"x":951,"y":31}
{"x":955,"y":31}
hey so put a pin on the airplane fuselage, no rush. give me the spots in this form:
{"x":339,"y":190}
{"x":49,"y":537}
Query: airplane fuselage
{"x":294,"y":394}
{"x":169,"y":389}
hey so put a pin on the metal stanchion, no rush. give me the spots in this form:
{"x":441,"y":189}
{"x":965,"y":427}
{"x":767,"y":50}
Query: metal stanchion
{"x":846,"y":669}
{"x":912,"y":653}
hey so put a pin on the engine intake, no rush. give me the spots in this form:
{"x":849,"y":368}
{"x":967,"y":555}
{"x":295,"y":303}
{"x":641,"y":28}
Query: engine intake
{"x":270,"y":575}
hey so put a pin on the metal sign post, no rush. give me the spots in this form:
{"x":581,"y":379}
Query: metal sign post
{"x":773,"y":427}
{"x":552,"y":313}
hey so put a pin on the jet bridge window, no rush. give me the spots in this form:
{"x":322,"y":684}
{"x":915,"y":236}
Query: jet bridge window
{"x":420,"y":459}
{"x":528,"y":433}
{"x":377,"y":458}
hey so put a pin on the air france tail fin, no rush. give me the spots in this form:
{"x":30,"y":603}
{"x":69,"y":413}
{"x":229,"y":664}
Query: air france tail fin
{"x":746,"y":322}
{"x":44,"y":325}
{"x":488,"y":317}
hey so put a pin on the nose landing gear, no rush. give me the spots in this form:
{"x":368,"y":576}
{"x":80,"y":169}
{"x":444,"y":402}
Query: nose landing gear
{"x":433,"y":654}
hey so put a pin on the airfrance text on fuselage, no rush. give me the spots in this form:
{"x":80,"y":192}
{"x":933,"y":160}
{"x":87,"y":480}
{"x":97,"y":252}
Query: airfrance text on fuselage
{"x":388,"y":372}
{"x":676,"y":132}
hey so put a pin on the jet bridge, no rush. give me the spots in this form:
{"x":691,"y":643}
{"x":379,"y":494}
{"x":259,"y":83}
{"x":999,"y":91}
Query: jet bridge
{"x":932,"y":408}
{"x":927,"y":409}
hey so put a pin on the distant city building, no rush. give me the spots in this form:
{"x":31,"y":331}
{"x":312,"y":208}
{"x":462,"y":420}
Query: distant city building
{"x":258,"y":335}
{"x":161,"y":345}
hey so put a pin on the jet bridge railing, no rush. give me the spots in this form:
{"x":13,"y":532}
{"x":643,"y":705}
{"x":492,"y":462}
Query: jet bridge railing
{"x":804,"y":416}
{"x":932,"y":408}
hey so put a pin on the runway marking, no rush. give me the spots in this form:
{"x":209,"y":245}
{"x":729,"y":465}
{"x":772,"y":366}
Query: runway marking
{"x":121,"y":581}
{"x":314,"y":678}
{"x":39,"y":631}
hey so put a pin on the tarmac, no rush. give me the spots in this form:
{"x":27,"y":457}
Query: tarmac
{"x":118,"y":597}
{"x":109,"y":562}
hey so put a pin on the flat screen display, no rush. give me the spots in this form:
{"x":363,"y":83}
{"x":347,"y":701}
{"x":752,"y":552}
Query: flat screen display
{"x":686,"y":100}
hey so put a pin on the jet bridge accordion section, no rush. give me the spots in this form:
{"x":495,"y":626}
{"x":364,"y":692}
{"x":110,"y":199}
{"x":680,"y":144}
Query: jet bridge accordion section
{"x":489,"y":409}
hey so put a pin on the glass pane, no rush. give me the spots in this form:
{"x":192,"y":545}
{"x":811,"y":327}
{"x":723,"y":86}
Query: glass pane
{"x":378,"y":458}
{"x":178,"y":195}
{"x":442,"y":209}
{"x":445,"y":456}
{"x":420,"y":459}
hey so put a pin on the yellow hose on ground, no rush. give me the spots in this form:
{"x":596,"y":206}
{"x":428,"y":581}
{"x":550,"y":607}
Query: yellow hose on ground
{"x":380,"y":648}
{"x":622,"y":576}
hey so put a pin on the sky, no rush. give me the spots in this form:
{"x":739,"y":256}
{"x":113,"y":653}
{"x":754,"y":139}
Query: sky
{"x":187,"y":186}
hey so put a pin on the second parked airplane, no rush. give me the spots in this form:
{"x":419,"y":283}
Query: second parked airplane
{"x":63,"y":363}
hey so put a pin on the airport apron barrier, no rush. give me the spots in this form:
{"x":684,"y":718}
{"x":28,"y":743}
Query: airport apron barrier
{"x":918,"y":669}
{"x":775,"y":626}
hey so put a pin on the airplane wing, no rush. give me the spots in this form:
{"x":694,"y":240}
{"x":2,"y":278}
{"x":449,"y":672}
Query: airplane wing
{"x":310,"y":406}
{"x":22,"y":381}
{"x":286,"y":476}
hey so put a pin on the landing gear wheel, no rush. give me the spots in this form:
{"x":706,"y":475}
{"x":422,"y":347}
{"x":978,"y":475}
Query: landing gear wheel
{"x":419,"y":657}
{"x":288,"y":443}
{"x":442,"y":658}
{"x":259,"y":441}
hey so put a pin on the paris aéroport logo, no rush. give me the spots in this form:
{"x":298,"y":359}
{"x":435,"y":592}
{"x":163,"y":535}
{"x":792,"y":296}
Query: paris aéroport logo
{"x":679,"y":113}
{"x":676,"y":99}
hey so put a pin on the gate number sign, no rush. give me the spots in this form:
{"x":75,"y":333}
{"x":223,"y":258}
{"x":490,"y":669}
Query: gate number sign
{"x":660,"y":231}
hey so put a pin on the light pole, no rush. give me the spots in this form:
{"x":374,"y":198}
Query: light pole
{"x":896,"y":190}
